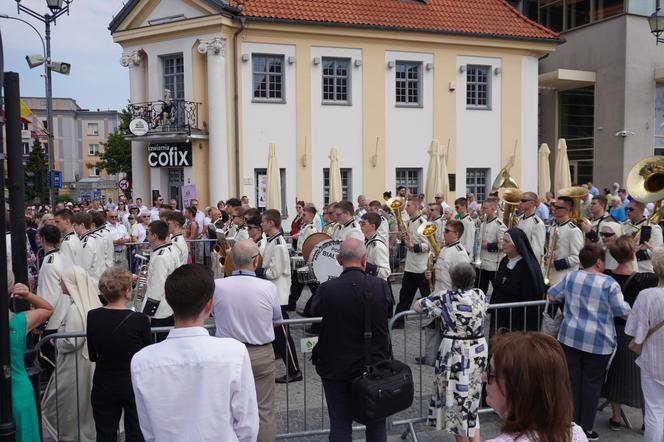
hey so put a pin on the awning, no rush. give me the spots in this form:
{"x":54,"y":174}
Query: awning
{"x":565,"y":79}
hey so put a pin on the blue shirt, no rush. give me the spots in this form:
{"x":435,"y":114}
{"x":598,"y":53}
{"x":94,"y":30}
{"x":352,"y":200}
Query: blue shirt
{"x":542,"y":211}
{"x":592,"y":300}
{"x":618,"y":213}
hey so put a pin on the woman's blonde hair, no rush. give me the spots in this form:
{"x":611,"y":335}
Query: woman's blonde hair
{"x":114,"y":282}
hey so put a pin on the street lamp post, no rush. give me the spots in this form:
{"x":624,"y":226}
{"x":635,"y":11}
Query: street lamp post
{"x":58,"y":8}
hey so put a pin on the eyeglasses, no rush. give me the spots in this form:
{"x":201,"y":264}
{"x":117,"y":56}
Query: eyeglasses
{"x":525,"y":200}
{"x":112,"y":217}
{"x":437,"y":197}
{"x":490,"y":375}
{"x":560,"y":207}
{"x":450,"y":231}
{"x":606,"y":234}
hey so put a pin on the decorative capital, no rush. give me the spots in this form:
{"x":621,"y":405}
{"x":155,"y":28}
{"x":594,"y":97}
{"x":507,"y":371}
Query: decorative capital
{"x":216,"y":46}
{"x":130,"y":59}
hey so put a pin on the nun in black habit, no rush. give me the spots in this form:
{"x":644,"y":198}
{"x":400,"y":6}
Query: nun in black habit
{"x":518,"y":279}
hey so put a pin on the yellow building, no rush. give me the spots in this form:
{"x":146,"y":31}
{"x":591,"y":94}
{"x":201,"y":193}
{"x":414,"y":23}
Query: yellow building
{"x":377,"y":79}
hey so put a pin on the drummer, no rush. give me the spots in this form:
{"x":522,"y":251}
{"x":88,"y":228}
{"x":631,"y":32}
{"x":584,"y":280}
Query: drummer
{"x":307,"y":229}
{"x":347,"y":227}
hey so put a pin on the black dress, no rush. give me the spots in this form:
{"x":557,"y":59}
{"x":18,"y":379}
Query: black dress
{"x":623,"y":381}
{"x":515,"y":285}
{"x":111,"y":344}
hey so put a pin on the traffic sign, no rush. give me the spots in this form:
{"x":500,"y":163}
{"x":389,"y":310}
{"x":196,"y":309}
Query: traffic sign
{"x":54,"y":179}
{"x":123,"y":184}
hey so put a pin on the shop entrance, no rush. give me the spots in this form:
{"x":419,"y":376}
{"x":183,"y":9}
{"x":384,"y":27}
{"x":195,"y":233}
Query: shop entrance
{"x":175,"y":183}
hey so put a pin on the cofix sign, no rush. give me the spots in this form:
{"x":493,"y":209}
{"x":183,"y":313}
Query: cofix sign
{"x":169,"y":155}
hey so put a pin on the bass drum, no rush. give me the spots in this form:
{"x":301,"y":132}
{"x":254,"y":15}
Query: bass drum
{"x":312,"y":241}
{"x":323,"y":260}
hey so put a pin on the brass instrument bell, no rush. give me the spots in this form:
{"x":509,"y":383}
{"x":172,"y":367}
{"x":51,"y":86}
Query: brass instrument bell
{"x":511,"y":196}
{"x":576,"y":193}
{"x":645,"y":183}
{"x":504,"y":179}
{"x":428,"y":230}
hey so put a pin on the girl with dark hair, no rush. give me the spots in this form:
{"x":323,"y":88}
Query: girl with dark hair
{"x":528,"y":387}
{"x":518,"y":279}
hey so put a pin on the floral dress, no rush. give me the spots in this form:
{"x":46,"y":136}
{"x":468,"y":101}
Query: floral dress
{"x":461,"y":359}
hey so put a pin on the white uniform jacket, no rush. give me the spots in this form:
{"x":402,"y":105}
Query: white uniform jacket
{"x":240,"y":234}
{"x":180,"y":246}
{"x":91,"y":257}
{"x":48,"y":286}
{"x":492,"y":231}
{"x":349,"y":230}
{"x":276,"y":266}
{"x":468,"y":238}
{"x":107,"y":245}
{"x":378,"y":258}
{"x":651,"y":233}
{"x":569,"y":244}
{"x":417,"y":259}
{"x":450,"y":255}
{"x":535,"y":231}
{"x":440,"y":229}
{"x":70,"y":247}
{"x":593,"y":235}
{"x":384,"y":230}
{"x":305,"y":232}
{"x":164,"y":260}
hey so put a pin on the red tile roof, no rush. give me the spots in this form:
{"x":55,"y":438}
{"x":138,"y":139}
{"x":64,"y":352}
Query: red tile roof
{"x":480,"y":17}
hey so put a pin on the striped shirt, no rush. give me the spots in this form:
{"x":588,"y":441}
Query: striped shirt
{"x":591,"y":300}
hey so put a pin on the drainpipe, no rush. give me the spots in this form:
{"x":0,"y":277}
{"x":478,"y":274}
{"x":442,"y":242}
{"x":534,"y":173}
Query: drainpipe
{"x":236,"y":106}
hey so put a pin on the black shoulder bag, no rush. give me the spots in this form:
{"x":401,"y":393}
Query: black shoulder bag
{"x":386,"y":387}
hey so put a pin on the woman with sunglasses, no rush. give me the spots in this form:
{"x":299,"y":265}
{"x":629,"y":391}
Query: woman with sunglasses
{"x":462,"y":355}
{"x":623,"y":383}
{"x":527,"y":385}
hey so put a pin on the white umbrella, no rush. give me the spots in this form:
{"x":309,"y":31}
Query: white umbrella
{"x":562,"y":177}
{"x":544,"y":172}
{"x":273,"y":179}
{"x":444,"y":177}
{"x":335,"y":177}
{"x":433,"y":183}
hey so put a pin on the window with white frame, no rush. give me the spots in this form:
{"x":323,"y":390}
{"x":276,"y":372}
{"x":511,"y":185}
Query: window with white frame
{"x":408,"y":83}
{"x":25,"y":126}
{"x":478,"y":87}
{"x":336,"y":81}
{"x":93,"y":149}
{"x":268,"y":77}
{"x":26,"y":148}
{"x":410,"y":178}
{"x":94,"y":171}
{"x":173,"y":75}
{"x":346,"y":184}
{"x":477,"y":183}
{"x":93,"y":129}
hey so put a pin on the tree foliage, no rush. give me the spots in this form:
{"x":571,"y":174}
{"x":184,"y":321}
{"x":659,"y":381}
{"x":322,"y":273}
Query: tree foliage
{"x":116,"y":157}
{"x":36,"y":168}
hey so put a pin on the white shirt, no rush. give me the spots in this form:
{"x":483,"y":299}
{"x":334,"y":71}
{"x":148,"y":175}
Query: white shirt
{"x":138,"y":230}
{"x":647,"y":312}
{"x":118,"y":231}
{"x":48,"y":287}
{"x":180,"y":245}
{"x":154,"y":214}
{"x":70,"y":247}
{"x":200,"y":219}
{"x":195,"y":387}
{"x":163,"y":261}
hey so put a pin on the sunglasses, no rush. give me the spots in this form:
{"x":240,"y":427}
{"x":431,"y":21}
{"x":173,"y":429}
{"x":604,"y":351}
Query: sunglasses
{"x":450,"y":231}
{"x":560,"y":207}
{"x":606,"y":234}
{"x":112,"y":217}
{"x":525,"y":200}
{"x":630,"y":209}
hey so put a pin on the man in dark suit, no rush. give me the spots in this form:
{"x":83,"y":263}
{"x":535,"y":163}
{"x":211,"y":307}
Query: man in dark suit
{"x":339,"y":354}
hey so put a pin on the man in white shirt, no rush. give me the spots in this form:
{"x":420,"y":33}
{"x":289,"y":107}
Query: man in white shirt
{"x":200,"y":215}
{"x":175,"y":221}
{"x":91,"y":257}
{"x":384,"y":230}
{"x":105,"y":238}
{"x":245,"y":308}
{"x":119,"y":235}
{"x":50,"y":276}
{"x":378,"y":257}
{"x":71,"y":245}
{"x":141,"y":207}
{"x":347,"y":226}
{"x":214,"y":374}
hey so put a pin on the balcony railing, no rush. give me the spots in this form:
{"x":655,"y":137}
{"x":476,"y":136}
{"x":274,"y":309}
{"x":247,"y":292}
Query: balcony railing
{"x":178,"y":116}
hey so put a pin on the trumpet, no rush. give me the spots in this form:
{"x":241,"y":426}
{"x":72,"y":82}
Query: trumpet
{"x":551,"y":255}
{"x":396,"y":204}
{"x":511,"y":196}
{"x":428,"y":230}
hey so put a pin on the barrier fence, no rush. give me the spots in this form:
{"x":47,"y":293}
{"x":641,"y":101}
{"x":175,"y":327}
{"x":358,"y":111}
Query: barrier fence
{"x":300,"y":407}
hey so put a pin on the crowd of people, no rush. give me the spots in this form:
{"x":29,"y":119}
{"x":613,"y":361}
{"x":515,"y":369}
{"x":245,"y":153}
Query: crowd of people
{"x":114,"y":271}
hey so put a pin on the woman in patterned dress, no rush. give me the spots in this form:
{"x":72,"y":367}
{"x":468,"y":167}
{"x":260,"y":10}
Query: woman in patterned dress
{"x":462,"y":356}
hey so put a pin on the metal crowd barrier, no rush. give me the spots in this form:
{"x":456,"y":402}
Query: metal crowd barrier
{"x":304,"y":401}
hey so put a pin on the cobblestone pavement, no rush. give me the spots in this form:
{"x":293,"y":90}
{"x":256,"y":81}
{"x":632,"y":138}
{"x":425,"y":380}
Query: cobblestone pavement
{"x":408,"y":342}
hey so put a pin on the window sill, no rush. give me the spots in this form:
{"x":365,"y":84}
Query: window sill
{"x":480,"y":108}
{"x":268,"y":101}
{"x":336,"y":103}
{"x":409,"y":106}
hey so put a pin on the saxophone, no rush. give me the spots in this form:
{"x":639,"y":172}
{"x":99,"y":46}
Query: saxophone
{"x":396,"y":204}
{"x":550,"y":255}
{"x":138,"y":293}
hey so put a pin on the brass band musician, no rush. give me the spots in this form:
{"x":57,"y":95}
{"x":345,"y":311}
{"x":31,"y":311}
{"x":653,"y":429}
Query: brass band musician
{"x":599,"y":215}
{"x":468,"y":237}
{"x":568,"y":241}
{"x":492,"y":231}
{"x":648,"y":235}
{"x":532,"y":225}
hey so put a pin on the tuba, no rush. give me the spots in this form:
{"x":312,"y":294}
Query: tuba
{"x":477,"y":244}
{"x":141,"y":286}
{"x":396,"y":204}
{"x":504,"y":179}
{"x":511,"y":197}
{"x":576,"y":193}
{"x":645,"y":183}
{"x":428,"y":230}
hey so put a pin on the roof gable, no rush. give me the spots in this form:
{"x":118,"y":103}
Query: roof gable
{"x":141,"y":13}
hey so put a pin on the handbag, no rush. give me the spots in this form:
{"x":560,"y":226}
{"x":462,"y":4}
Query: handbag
{"x":386,"y":387}
{"x":551,"y":325}
{"x":638,"y":348}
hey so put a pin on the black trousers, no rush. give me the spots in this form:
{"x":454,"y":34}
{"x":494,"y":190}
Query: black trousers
{"x":296,"y":289}
{"x":165,"y":322}
{"x":111,"y":394}
{"x":483,"y":278}
{"x":284,"y":346}
{"x":411,"y":283}
{"x":338,"y":394}
{"x":586,"y":375}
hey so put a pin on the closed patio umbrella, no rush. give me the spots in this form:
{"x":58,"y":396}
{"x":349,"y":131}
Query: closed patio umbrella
{"x":273,"y":179}
{"x":335,"y":194}
{"x":434,"y":182}
{"x":562,"y":177}
{"x":544,"y":171}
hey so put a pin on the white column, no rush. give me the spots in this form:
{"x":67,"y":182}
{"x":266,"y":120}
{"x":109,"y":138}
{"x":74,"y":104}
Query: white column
{"x":219,"y":158}
{"x":139,"y":151}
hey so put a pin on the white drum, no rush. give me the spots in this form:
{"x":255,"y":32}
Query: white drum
{"x":323,"y":260}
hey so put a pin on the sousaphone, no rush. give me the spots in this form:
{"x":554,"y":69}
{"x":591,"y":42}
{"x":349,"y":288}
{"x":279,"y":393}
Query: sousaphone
{"x":645,"y":183}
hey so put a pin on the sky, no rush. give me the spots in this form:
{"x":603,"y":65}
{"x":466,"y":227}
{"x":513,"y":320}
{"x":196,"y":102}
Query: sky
{"x":97,"y":80}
